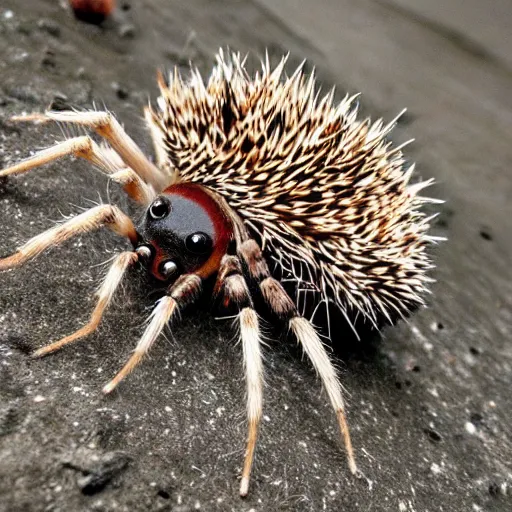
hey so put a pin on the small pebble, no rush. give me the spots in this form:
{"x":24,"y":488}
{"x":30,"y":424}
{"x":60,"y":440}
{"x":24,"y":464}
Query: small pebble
{"x":435,"y":468}
{"x":49,"y":26}
{"x":127,"y":31}
{"x":433,"y":435}
{"x":121,"y":92}
{"x":470,"y":428}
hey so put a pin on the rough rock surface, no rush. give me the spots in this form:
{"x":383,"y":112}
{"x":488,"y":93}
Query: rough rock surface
{"x":430,"y":405}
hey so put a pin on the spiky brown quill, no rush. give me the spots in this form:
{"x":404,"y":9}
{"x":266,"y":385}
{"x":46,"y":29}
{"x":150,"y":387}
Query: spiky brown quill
{"x":326,"y":192}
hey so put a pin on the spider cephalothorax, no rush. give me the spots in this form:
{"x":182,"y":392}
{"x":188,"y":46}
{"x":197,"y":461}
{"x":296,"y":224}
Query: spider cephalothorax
{"x":252,"y":170}
{"x":184,"y":230}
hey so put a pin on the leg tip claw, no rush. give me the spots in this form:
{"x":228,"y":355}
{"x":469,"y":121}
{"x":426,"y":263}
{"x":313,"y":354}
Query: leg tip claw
{"x":109,"y":387}
{"x":7,"y":263}
{"x":244,"y":487}
{"x":353,"y":469}
{"x":37,"y":354}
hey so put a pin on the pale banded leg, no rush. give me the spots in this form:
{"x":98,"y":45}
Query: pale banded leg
{"x":315,"y":349}
{"x":159,"y":318}
{"x":105,"y":294}
{"x":102,"y":215}
{"x":84,"y":147}
{"x":107,"y":126}
{"x":133,"y":186}
{"x":279,"y":301}
{"x":253,"y":363}
{"x":232,"y":284}
{"x":118,"y":172}
{"x":184,"y":291}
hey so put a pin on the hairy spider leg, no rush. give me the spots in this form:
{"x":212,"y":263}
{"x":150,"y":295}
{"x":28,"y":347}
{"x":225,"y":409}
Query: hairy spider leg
{"x":107,"y":126}
{"x":103,"y":157}
{"x":102,"y":215}
{"x":105,"y":293}
{"x":231,"y":282}
{"x":183,"y":292}
{"x":279,"y":301}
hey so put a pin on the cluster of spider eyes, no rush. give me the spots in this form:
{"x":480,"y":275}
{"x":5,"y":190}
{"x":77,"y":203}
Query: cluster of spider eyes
{"x":197,"y":243}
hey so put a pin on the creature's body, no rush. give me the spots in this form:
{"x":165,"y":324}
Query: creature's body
{"x":251,"y":171}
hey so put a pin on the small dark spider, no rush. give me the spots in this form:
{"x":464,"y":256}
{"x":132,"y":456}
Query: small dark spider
{"x":240,"y":159}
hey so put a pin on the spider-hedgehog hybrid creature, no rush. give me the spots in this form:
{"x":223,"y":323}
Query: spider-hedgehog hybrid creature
{"x":249,"y":171}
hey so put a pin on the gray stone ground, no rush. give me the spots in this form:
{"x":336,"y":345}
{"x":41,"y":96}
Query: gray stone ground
{"x":430,"y":406}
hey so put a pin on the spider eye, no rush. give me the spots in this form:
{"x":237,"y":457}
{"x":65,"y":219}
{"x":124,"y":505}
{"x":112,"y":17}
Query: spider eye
{"x":199,"y":243}
{"x":159,"y":209}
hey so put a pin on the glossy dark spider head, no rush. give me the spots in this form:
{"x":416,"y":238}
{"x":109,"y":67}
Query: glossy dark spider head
{"x":185,"y":229}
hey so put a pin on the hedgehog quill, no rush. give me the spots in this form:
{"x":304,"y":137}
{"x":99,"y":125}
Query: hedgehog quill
{"x":253,"y":173}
